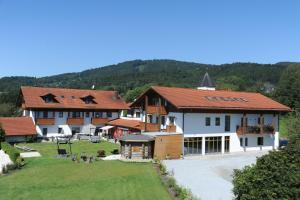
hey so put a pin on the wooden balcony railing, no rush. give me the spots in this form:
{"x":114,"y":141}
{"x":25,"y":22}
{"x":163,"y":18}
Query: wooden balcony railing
{"x":151,"y":127}
{"x":75,"y":121}
{"x":268,"y":129}
{"x":44,"y":121}
{"x":156,"y":110}
{"x":98,"y":121}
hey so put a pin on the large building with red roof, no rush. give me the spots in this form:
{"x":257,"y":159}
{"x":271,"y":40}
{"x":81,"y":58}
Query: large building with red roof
{"x":61,"y":111}
{"x":211,"y":121}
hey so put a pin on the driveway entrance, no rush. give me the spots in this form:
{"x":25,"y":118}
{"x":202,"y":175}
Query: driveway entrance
{"x":210,"y":176}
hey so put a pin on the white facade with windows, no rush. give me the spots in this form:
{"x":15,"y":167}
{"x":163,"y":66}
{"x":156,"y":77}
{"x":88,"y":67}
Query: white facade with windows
{"x":217,"y":132}
{"x":60,"y":126}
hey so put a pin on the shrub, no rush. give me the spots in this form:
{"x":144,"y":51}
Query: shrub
{"x":11,"y":151}
{"x":115,"y":151}
{"x":101,"y":153}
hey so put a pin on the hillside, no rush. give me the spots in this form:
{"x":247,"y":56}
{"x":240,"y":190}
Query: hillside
{"x":132,"y":74}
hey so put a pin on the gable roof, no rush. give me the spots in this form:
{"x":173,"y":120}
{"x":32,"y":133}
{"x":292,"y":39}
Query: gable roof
{"x":135,"y":124}
{"x":71,"y":98}
{"x":186,"y":98}
{"x":18,"y":126}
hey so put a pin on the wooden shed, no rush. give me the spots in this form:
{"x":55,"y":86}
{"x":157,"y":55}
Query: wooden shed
{"x":137,"y":146}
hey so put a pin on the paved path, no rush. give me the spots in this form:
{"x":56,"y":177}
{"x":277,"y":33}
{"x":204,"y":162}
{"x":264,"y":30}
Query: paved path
{"x":209,"y":177}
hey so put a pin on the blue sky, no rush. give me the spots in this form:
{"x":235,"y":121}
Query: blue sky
{"x":40,"y":38}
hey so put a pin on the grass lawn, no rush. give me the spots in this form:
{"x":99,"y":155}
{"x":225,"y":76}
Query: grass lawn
{"x":52,"y":178}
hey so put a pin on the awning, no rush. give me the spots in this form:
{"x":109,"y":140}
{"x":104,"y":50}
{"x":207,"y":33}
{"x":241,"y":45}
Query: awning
{"x":106,"y":127}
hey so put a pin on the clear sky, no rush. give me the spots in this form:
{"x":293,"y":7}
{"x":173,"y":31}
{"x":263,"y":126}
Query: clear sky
{"x":40,"y":38}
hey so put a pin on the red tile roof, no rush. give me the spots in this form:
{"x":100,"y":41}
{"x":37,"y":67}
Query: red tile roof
{"x":18,"y":126}
{"x":135,"y":124}
{"x":71,"y":98}
{"x":218,"y":100}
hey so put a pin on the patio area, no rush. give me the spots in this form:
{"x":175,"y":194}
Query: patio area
{"x":209,"y":177}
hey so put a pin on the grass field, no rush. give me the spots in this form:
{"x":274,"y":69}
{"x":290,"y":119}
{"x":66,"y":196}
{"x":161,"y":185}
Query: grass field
{"x":53,"y":178}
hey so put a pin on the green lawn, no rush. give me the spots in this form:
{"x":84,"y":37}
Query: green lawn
{"x":52,"y":178}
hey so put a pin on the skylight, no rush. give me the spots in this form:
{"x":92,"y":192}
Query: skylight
{"x":232,"y":99}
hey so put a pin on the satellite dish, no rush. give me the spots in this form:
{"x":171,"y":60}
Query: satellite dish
{"x":93,"y":87}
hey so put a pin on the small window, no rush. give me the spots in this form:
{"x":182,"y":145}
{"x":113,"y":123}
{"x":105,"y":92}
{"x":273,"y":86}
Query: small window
{"x":260,"y":141}
{"x":61,"y":114}
{"x":241,"y":142}
{"x":246,"y":142}
{"x":207,"y":121}
{"x":171,"y":120}
{"x":87,"y":114}
{"x":98,"y":114}
{"x":218,"y":122}
{"x":45,"y":131}
{"x":258,"y":120}
{"x":109,"y":114}
{"x":59,"y":130}
{"x":137,"y":114}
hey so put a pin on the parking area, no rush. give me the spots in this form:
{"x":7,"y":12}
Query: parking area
{"x":209,"y":177}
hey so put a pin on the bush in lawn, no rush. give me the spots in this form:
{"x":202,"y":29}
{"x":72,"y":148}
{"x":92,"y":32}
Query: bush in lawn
{"x":101,"y":153}
{"x":11,"y":151}
{"x":274,"y":176}
{"x":115,"y":151}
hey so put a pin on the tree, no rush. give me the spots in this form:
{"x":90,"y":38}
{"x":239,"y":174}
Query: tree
{"x":2,"y":134}
{"x":275,"y":175}
{"x":288,"y":91}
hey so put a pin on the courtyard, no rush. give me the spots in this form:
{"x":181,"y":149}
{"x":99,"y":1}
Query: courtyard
{"x":209,"y":177}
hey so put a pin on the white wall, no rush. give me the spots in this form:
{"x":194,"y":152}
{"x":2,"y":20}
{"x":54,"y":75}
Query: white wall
{"x":61,"y":122}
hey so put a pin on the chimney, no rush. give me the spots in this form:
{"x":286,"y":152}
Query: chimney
{"x":207,"y":83}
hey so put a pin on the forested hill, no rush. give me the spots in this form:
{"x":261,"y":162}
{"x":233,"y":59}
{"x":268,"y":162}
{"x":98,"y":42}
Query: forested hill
{"x":135,"y":74}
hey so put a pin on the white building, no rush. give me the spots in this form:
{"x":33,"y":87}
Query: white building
{"x":59,"y":111}
{"x":210,"y":120}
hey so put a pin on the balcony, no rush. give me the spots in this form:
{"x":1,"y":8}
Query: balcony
{"x":45,"y":121}
{"x":99,"y":121}
{"x":161,"y":110}
{"x":267,"y":129}
{"x":151,"y":127}
{"x":75,"y":121}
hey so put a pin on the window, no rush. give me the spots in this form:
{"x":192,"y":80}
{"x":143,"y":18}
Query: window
{"x":213,"y":144}
{"x":137,"y":114}
{"x":171,"y":120}
{"x":246,"y":142}
{"x":260,"y":141}
{"x":193,"y":145}
{"x":227,"y":123}
{"x":163,"y":120}
{"x":45,"y":114}
{"x":61,"y":114}
{"x":109,"y":114}
{"x":149,"y":119}
{"x":76,"y":114}
{"x":258,"y":120}
{"x":59,"y":130}
{"x":217,"y":122}
{"x":241,"y":142}
{"x":98,"y":114}
{"x":207,"y":121}
{"x":45,"y":131}
{"x":87,"y":114}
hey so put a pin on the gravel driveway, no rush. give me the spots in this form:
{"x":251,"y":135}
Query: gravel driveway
{"x":209,"y":177}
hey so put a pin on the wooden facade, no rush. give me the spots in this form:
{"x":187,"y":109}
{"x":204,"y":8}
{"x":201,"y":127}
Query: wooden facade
{"x":99,"y":121}
{"x":168,"y":146}
{"x":75,"y":121}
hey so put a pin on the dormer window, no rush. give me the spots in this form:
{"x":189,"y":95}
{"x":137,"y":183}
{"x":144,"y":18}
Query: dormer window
{"x":49,"y":98}
{"x":88,"y":99}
